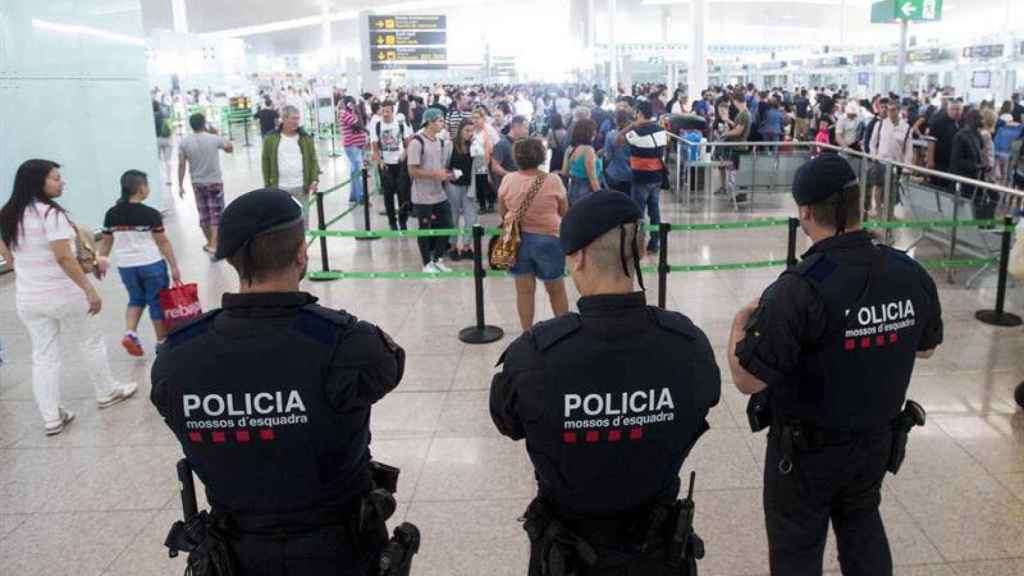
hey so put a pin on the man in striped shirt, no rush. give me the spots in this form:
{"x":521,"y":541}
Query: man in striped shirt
{"x":646,"y":140}
{"x":460,"y":111}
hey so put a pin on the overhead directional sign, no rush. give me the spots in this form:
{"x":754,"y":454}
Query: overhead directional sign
{"x":408,"y":42}
{"x":408,"y":57}
{"x":909,"y":10}
{"x":383,"y":23}
{"x":409,"y":38}
{"x":984,"y":51}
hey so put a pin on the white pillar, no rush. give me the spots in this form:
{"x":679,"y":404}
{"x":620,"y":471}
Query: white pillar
{"x":697,"y":73}
{"x":329,"y":58}
{"x":591,"y":24}
{"x":180,"y":15}
{"x":613,"y":51}
{"x":369,"y":80}
{"x":626,"y":71}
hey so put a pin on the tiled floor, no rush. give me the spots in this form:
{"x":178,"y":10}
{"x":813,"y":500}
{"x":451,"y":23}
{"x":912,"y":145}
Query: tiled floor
{"x":99,"y":498}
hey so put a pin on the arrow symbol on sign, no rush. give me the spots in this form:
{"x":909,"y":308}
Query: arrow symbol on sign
{"x":908,"y":8}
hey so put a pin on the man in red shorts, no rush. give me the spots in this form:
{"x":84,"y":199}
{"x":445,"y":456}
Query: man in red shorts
{"x":201,"y":151}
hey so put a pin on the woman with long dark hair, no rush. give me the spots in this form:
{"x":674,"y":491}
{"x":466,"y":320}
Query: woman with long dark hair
{"x":53,"y":292}
{"x":460,"y":190}
{"x":966,"y":160}
{"x":352,"y":119}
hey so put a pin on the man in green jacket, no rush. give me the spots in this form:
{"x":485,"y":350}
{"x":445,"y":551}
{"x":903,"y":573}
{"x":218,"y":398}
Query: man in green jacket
{"x":290,"y":160}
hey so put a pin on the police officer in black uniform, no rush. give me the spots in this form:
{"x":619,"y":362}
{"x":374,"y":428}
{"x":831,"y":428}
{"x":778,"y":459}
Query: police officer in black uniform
{"x":610,"y":402}
{"x":270,"y":397}
{"x":828,"y":353}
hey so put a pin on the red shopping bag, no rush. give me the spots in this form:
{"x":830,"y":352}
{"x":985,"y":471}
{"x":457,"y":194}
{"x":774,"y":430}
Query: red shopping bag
{"x":180,"y":304}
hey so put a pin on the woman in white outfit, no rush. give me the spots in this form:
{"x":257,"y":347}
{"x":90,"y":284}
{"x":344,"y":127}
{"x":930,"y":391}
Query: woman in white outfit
{"x":54,"y":294}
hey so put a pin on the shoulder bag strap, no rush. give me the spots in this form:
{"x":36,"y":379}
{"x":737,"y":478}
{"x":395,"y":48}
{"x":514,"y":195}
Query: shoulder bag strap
{"x":538,"y":182}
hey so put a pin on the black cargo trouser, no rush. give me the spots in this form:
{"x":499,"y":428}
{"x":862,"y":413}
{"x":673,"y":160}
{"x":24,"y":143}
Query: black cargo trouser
{"x":436,"y":216}
{"x":390,"y":183}
{"x":651,"y":564}
{"x":841,"y":484}
{"x":329,"y":551}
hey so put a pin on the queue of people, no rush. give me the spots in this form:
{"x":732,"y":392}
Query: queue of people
{"x":827,"y":454}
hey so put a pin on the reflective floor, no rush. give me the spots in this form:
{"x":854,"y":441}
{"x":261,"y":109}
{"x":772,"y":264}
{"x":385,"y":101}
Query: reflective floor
{"x":99,"y":498}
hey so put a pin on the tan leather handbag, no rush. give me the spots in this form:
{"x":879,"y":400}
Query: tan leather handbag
{"x":505,"y":248}
{"x":85,"y":248}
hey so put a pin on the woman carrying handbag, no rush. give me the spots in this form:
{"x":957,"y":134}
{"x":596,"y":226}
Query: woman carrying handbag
{"x":531,"y":203}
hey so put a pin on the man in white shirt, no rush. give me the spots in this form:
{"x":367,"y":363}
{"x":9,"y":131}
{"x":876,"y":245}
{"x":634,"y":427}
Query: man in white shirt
{"x":290,"y":160}
{"x":389,"y":135}
{"x":848,"y":127}
{"x":890,"y":141}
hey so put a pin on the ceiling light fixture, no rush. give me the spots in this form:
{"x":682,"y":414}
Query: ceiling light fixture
{"x":88,"y":31}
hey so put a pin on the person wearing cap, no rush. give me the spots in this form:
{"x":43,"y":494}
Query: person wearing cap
{"x":850,"y":127}
{"x":428,"y":157}
{"x":827,"y":353}
{"x":610,"y":401}
{"x":270,"y":397}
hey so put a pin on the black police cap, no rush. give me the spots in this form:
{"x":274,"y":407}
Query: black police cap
{"x":821,"y":177}
{"x":595,"y":215}
{"x":252,"y":214}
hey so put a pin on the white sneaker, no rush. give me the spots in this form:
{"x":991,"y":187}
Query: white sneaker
{"x":431,"y":268}
{"x":66,"y":416}
{"x":441,"y":267}
{"x":120,"y":394}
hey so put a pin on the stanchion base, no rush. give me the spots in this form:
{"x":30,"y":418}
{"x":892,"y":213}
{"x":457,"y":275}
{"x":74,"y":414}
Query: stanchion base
{"x":1019,"y":394}
{"x":485,"y":335}
{"x":994,"y":318}
{"x":313,"y":278}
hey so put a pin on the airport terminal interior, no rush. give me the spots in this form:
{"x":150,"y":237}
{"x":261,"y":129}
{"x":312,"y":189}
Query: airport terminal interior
{"x":101,"y":87}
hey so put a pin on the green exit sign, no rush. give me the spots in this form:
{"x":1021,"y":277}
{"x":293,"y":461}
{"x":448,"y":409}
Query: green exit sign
{"x":910,"y":10}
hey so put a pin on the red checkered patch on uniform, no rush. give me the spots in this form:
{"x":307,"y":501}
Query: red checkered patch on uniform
{"x":850,"y":344}
{"x":196,"y":437}
{"x":242,"y":435}
{"x":614,"y":435}
{"x":636,"y":433}
{"x":865,"y":342}
{"x":880,"y":340}
{"x":267,"y":434}
{"x":218,"y":437}
{"x":569,"y":437}
{"x":593,"y":435}
{"x":894,"y":338}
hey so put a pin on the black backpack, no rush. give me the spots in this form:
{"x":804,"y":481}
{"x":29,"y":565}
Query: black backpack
{"x":869,"y":133}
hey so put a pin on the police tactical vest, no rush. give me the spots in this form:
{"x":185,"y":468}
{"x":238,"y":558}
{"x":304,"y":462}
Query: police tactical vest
{"x":609,"y":420}
{"x":254,"y":420}
{"x":855,"y":379}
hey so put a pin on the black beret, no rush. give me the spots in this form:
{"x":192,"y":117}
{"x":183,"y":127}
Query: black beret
{"x":821,"y":177}
{"x":595,"y":215}
{"x":252,"y":214}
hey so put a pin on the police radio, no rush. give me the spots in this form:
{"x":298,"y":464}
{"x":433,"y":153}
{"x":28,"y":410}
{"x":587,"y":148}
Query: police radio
{"x":759,"y":413}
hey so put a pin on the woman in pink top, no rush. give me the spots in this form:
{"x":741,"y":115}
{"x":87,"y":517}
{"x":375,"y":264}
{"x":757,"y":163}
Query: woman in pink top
{"x":353,"y":136}
{"x":540,"y":253}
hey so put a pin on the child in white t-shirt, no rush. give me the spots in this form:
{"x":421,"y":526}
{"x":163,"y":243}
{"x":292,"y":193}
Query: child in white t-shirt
{"x":143,"y":253}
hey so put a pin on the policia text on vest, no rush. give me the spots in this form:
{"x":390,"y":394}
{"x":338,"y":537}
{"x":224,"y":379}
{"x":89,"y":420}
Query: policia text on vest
{"x":610,"y":402}
{"x":270,"y":397}
{"x":827,"y":353}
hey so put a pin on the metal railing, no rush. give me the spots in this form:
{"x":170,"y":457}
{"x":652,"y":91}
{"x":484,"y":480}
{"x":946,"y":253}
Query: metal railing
{"x":904,"y":182}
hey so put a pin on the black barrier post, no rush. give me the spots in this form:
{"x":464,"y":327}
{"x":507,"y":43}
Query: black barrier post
{"x":663,"y":268}
{"x":246,"y":124}
{"x":794,"y":225}
{"x":321,"y":225}
{"x":366,"y":205}
{"x":999,"y":317}
{"x":480,"y":333}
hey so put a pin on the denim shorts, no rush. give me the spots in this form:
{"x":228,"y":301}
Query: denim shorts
{"x":144,"y":284}
{"x":539,"y":255}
